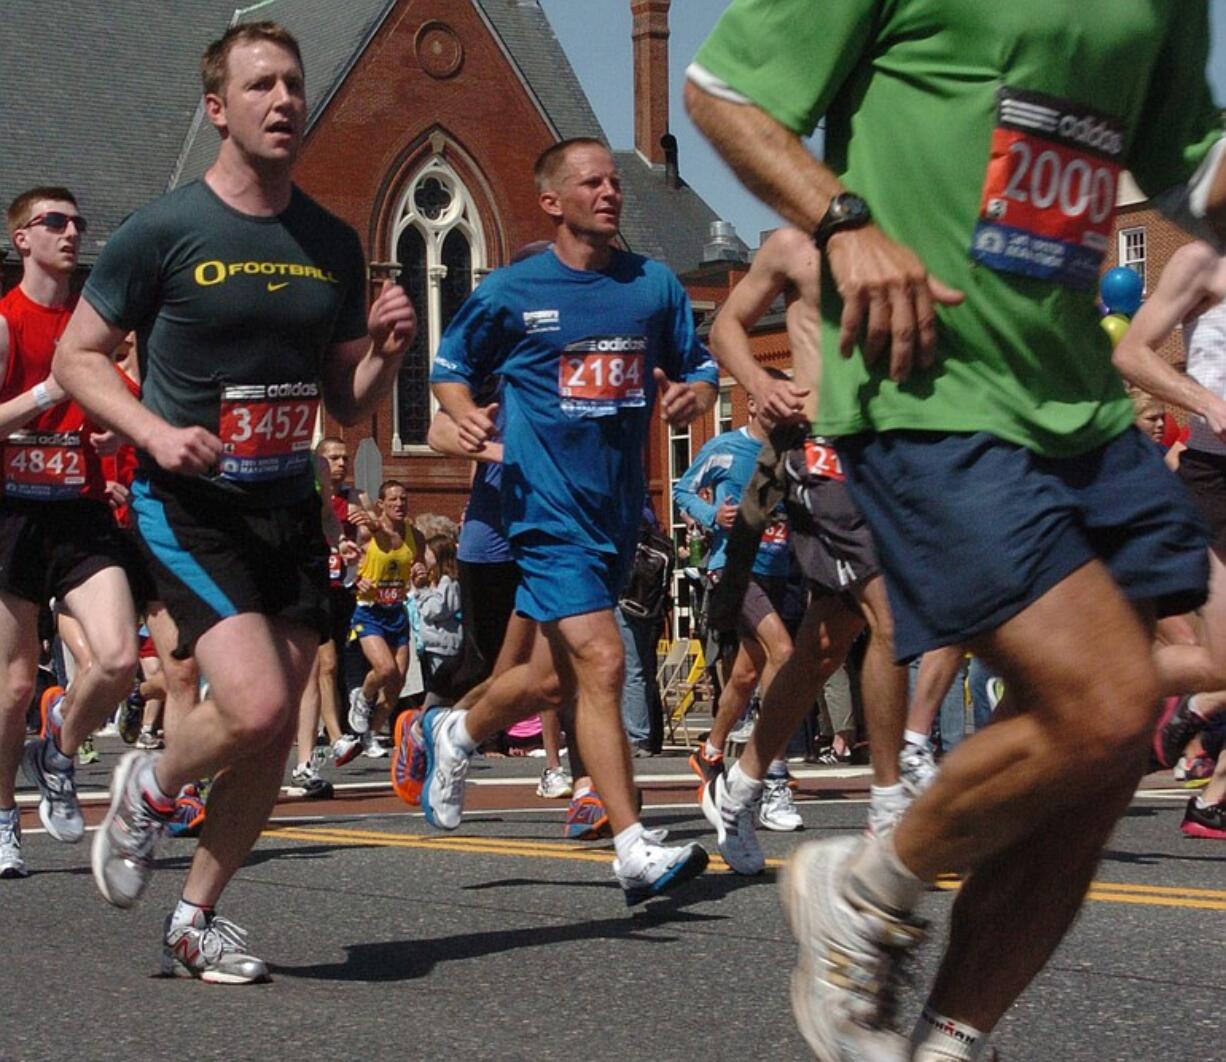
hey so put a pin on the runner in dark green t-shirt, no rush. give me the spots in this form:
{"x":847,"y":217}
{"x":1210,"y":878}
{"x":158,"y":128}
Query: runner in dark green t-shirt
{"x":250,"y":305}
{"x":973,"y":152}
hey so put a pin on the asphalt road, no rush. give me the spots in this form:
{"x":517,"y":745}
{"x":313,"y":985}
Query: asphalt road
{"x":388,"y":940}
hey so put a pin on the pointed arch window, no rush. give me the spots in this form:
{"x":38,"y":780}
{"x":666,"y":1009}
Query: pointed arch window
{"x":439,"y":245}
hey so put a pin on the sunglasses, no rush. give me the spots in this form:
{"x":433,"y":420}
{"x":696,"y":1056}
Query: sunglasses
{"x":57,"y":221}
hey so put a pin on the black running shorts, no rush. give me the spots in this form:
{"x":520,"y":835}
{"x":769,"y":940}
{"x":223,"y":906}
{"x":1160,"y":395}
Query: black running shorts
{"x":211,"y":560}
{"x":49,"y":548}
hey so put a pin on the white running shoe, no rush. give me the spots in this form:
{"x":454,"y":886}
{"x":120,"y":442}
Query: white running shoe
{"x":846,"y":980}
{"x":372,"y":747}
{"x":442,"y":797}
{"x":884,"y":812}
{"x":734,"y":829}
{"x":555,"y":784}
{"x":345,"y":748}
{"x":917,"y":767}
{"x":214,"y":952}
{"x":122,"y":852}
{"x":659,"y":870}
{"x":12,"y":865}
{"x":360,"y":711}
{"x":777,"y":809}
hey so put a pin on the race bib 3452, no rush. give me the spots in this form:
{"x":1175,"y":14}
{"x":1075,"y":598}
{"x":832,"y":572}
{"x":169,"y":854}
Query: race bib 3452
{"x":266,"y":430}
{"x":1049,"y":191}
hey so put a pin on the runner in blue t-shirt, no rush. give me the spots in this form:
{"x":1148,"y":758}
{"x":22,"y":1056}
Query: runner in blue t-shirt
{"x":583,"y":336}
{"x":724,"y":466}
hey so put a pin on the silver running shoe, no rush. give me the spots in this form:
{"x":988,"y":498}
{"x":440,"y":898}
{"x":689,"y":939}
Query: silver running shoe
{"x":442,"y":797}
{"x":122,"y":854}
{"x":306,"y":778}
{"x":555,"y":784}
{"x":734,"y":829}
{"x":58,"y":808}
{"x":214,"y":952}
{"x":777,"y":809}
{"x":917,"y":767}
{"x":663,"y":870}
{"x":845,"y":985}
{"x":12,"y":865}
{"x":360,"y":711}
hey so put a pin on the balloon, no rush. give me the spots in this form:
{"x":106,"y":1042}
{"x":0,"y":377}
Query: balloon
{"x":1121,"y":290}
{"x":1115,"y":325}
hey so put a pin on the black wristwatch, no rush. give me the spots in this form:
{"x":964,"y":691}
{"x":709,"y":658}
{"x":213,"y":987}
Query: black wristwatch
{"x":846,"y":211}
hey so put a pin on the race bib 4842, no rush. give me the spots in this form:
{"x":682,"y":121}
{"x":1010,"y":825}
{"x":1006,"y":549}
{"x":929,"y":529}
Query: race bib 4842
{"x":44,"y":466}
{"x":1049,"y":191}
{"x":266,"y":429}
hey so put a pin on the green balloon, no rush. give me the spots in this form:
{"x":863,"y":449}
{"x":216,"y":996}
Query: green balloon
{"x":1115,"y":325}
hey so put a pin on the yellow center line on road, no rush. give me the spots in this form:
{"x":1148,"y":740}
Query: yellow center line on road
{"x":1100,"y":891}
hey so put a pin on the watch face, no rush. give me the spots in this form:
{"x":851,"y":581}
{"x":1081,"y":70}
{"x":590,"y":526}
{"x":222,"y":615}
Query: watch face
{"x":847,"y":207}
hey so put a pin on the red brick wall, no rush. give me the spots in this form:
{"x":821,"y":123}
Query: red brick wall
{"x":376,"y":130}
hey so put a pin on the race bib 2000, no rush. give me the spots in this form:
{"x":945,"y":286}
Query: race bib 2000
{"x":1049,"y":192}
{"x":266,"y":430}
{"x":47,"y":466}
{"x":600,"y":375}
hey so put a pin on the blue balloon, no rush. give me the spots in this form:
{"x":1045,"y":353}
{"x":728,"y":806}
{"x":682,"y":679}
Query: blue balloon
{"x":1121,"y":290}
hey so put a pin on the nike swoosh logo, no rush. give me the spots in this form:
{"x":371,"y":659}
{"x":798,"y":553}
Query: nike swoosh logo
{"x":278,"y":287}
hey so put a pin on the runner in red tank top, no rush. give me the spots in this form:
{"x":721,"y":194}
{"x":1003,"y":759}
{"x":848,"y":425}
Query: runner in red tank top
{"x":57,"y":537}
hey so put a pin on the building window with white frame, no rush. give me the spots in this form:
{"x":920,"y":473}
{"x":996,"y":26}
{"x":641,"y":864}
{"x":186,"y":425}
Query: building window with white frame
{"x":438,"y":243}
{"x":1132,"y":251}
{"x":723,"y":410}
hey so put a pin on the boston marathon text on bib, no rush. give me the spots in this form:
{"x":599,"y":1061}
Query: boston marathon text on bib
{"x":266,"y":430}
{"x":600,"y":375}
{"x":44,"y":466}
{"x":1049,"y":193}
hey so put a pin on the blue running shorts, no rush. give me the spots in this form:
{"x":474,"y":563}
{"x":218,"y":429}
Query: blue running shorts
{"x":389,"y":622}
{"x":558,"y":579}
{"x":971,"y":530}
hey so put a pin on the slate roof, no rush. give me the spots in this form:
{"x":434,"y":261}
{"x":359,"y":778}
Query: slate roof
{"x":117,"y":118}
{"x":332,"y":37}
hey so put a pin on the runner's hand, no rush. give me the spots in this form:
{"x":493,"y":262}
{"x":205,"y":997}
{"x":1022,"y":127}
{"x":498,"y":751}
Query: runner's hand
{"x":191,"y":451}
{"x":725,"y":515}
{"x":678,"y":402}
{"x":392,"y":321}
{"x":477,"y":427}
{"x":117,"y":494}
{"x":888,"y":295}
{"x":780,"y":402}
{"x":104,"y":442}
{"x":349,"y":551}
{"x":363,"y":586}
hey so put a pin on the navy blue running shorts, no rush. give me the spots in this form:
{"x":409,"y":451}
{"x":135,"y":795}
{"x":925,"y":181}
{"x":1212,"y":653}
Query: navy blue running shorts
{"x":971,"y":530}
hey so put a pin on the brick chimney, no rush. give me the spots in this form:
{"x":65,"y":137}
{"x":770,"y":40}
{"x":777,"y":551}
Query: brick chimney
{"x":650,"y":35}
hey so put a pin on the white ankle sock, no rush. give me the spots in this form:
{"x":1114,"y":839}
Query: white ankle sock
{"x":878,"y":876}
{"x":460,"y":736}
{"x":778,"y":768}
{"x":742,"y":790}
{"x":710,"y":751}
{"x":914,"y":737}
{"x":937,"y":1038}
{"x":189,"y":914}
{"x":147,"y":782}
{"x":628,"y":842}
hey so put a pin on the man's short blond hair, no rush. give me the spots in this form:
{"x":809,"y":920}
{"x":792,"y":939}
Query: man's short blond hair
{"x":550,"y":162}
{"x":215,"y":63}
{"x":21,"y":209}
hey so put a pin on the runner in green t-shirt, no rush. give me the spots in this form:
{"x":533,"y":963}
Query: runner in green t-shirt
{"x":972,"y":157}
{"x":250,"y":305}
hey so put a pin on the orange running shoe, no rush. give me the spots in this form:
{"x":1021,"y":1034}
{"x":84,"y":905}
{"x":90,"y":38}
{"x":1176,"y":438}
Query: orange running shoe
{"x":409,"y":759}
{"x":50,"y":695}
{"x":706,"y":769}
